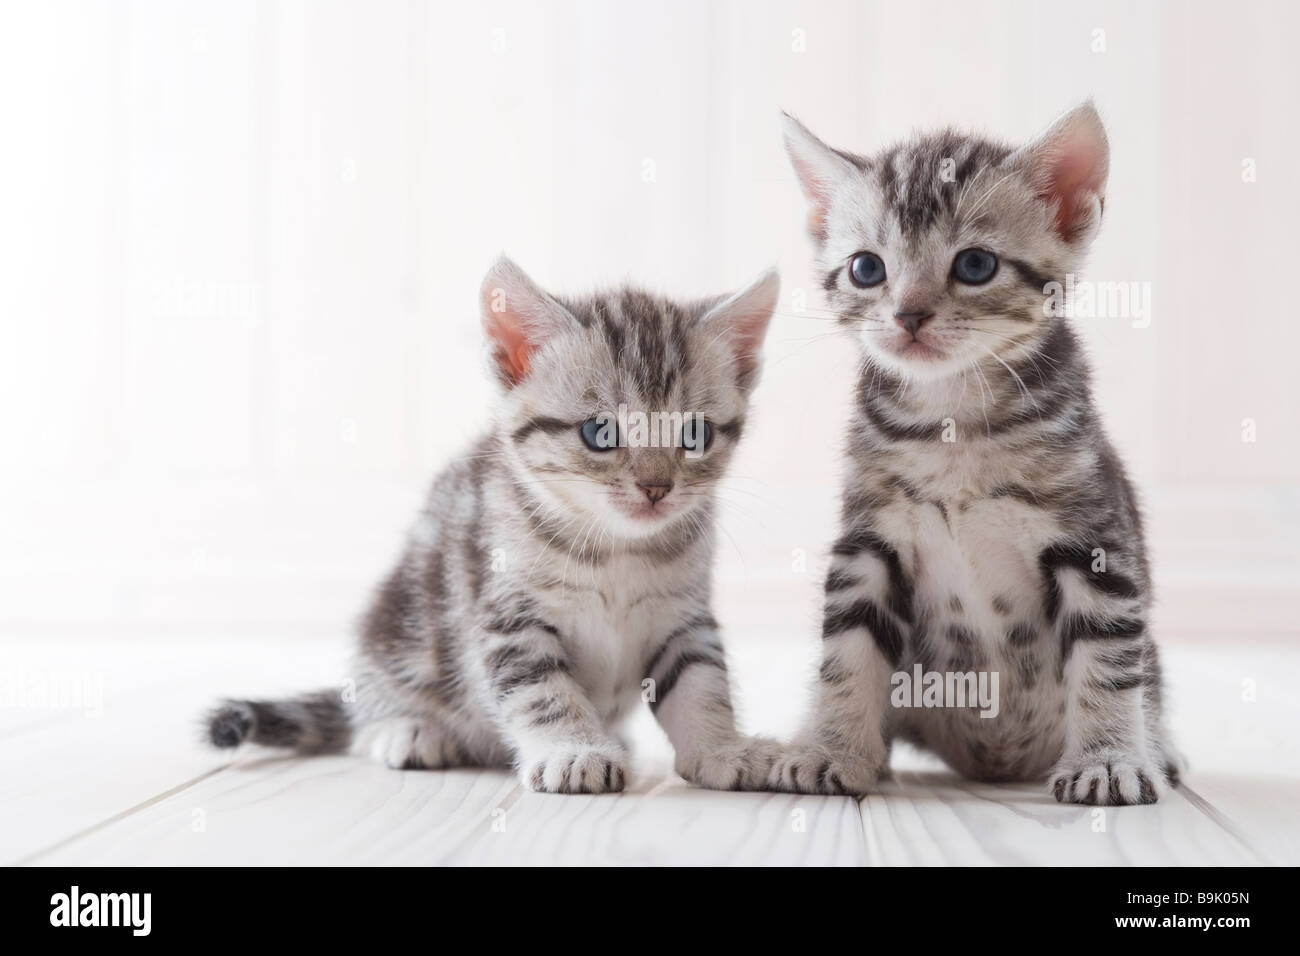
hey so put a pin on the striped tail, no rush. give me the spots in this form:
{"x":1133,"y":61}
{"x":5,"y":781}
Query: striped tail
{"x":310,"y":723}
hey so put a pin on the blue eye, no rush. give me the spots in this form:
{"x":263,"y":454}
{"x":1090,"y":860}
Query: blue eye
{"x":867,"y":269}
{"x":974,"y":266}
{"x":696,"y":434}
{"x":600,"y":434}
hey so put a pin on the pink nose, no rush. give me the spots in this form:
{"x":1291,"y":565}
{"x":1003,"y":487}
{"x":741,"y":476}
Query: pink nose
{"x":656,"y":492}
{"x":912,"y":321}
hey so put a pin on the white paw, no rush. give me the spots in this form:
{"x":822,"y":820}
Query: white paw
{"x":1108,"y":779}
{"x":578,"y":768}
{"x":741,"y":765}
{"x":805,"y":769}
{"x":402,"y":743}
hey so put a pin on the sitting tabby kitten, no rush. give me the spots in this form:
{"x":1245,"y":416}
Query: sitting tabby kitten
{"x":987,"y":523}
{"x":561,"y":568}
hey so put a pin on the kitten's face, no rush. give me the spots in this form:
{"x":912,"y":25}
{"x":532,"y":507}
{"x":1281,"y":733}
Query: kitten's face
{"x":630,"y":407}
{"x":936,"y":252}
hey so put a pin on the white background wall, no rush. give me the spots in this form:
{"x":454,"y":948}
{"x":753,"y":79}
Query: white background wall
{"x":240,"y":244}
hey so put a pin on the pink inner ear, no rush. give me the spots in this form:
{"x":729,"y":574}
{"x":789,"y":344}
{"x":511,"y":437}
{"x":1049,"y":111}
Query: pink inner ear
{"x":747,"y":335}
{"x":818,"y":191}
{"x":1076,"y":173}
{"x":510,"y":347}
{"x":747,"y":318}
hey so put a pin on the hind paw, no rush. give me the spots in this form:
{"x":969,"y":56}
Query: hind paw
{"x":403,"y":743}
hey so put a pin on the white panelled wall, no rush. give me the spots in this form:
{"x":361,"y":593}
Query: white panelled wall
{"x":241,"y":242}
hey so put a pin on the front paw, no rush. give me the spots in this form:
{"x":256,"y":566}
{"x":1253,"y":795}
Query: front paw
{"x":1114,"y":779}
{"x":742,"y":764}
{"x":814,"y":770}
{"x":578,"y":768}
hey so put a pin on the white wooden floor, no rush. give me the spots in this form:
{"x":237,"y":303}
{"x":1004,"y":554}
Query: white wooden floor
{"x":123,"y":780}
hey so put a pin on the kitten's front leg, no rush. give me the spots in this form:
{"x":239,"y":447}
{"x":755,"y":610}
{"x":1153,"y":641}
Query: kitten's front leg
{"x":559,"y":739}
{"x":868,"y":604}
{"x":1113,"y":754}
{"x":691,"y":699}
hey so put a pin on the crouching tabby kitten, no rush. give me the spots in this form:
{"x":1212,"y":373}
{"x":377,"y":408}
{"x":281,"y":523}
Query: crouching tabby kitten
{"x":560,"y":572}
{"x":987,"y":524}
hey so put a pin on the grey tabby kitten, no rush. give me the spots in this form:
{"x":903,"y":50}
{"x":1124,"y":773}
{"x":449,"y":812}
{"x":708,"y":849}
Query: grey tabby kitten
{"x":987,"y":524}
{"x":562,"y":570}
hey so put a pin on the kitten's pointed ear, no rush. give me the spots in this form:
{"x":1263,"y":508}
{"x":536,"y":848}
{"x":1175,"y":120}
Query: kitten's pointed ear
{"x":518,"y":319}
{"x":741,"y":319}
{"x":820,"y":170}
{"x":1068,"y":164}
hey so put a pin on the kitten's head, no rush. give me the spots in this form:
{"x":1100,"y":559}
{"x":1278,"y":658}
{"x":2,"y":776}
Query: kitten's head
{"x":621,"y":409}
{"x":937,"y":251}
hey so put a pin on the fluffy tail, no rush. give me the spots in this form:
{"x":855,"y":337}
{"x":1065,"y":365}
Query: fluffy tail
{"x":310,"y":723}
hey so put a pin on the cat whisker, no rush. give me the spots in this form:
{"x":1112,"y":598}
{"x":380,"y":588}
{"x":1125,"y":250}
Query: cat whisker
{"x":1019,"y":381}
{"x":983,"y":200}
{"x":984,"y":407}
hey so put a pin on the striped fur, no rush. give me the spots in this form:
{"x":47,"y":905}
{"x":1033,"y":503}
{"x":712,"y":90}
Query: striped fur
{"x":987,"y":523}
{"x":541,"y":594}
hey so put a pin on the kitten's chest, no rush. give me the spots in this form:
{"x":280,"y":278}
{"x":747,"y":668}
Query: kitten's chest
{"x":978,"y":607}
{"x":982,"y":551}
{"x":959,"y":471}
{"x":969,"y":527}
{"x":611,"y":621}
